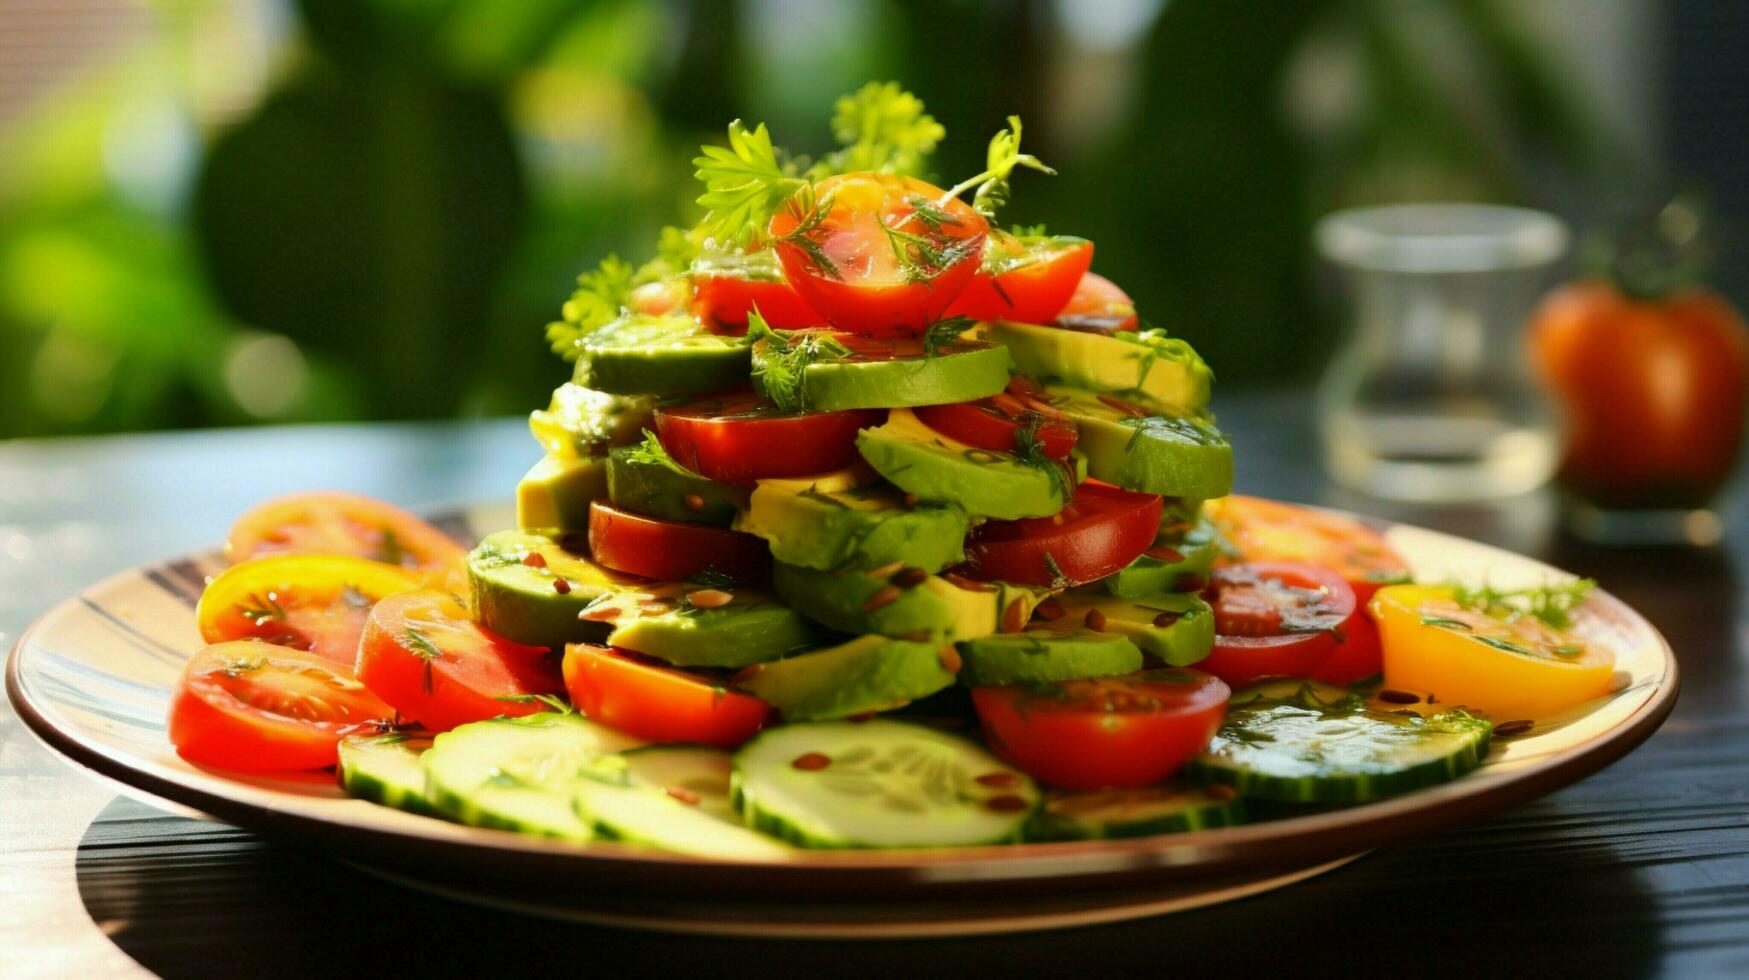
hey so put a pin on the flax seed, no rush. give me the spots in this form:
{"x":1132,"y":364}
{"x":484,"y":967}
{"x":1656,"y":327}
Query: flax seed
{"x":886,"y":571}
{"x":600,"y":614}
{"x":1095,"y":620}
{"x":694,"y":502}
{"x":998,"y":780}
{"x":1398,"y":697}
{"x":685,"y":796}
{"x":710,"y":598}
{"x":884,"y":596}
{"x":562,"y":586}
{"x":1507,"y":729}
{"x":535,"y":559}
{"x":1050,"y":611}
{"x":811,"y":761}
{"x":908,"y":578}
{"x":950,"y":659}
{"x":1110,"y":401}
{"x":1166,"y":619}
{"x":1165,"y":554}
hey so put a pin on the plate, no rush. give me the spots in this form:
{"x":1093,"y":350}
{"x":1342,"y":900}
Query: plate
{"x":92,"y":678}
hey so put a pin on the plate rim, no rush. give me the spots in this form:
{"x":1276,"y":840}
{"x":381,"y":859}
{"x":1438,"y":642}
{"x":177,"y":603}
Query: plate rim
{"x":1274,"y":844}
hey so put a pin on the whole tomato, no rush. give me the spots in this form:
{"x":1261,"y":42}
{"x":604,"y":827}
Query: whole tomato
{"x":1653,"y":391}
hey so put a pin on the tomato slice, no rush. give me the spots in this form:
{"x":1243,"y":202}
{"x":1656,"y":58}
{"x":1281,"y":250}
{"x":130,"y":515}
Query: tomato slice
{"x":742,"y":439}
{"x":336,"y":523}
{"x":308,"y":602}
{"x":423,"y":655}
{"x":657,"y":703}
{"x":672,"y":551}
{"x":1275,"y":619}
{"x":258,"y":707}
{"x":1100,"y":531}
{"x":1269,"y":530}
{"x":1098,"y":306}
{"x":1004,"y":423}
{"x":728,"y":286}
{"x":878,"y":254}
{"x":1024,"y":279}
{"x":1358,"y":653}
{"x":1107,"y":732}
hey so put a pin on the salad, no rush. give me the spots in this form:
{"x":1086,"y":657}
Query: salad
{"x":866,"y":521}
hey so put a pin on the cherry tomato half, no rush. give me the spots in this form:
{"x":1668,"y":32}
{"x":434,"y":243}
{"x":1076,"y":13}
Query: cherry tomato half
{"x":672,"y":551}
{"x":1106,"y":732}
{"x":1275,"y":619}
{"x":257,"y":707}
{"x":1098,"y":306}
{"x":1100,"y":531}
{"x":728,"y":286}
{"x":1026,"y":280}
{"x":1002,"y":422}
{"x":336,"y":523}
{"x":1269,"y":530}
{"x":308,"y":602}
{"x":423,"y":655}
{"x":658,"y":703}
{"x":742,"y":439}
{"x":878,"y":254}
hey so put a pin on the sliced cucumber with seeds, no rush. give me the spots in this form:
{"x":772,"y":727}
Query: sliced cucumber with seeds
{"x":1173,"y":561}
{"x":1115,"y":813}
{"x":385,"y":769}
{"x":518,"y":773}
{"x":1308,"y":750}
{"x":674,"y":797}
{"x":879,"y":784}
{"x":523,"y":602}
{"x":1042,"y":657}
{"x":661,"y":356}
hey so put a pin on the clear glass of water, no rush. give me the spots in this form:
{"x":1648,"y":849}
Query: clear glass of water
{"x":1431,"y":397}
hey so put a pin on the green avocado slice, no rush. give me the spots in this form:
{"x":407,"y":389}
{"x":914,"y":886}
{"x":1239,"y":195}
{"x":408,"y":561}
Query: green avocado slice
{"x":644,"y":479}
{"x":520,"y":601}
{"x":752,"y":627}
{"x":1043,"y":656}
{"x":898,"y":602}
{"x":875,"y":373}
{"x":1175,"y":457}
{"x":1178,"y":560}
{"x":840,"y":521}
{"x":938,"y":469}
{"x":555,"y":493}
{"x":663,"y":356}
{"x":581,"y":422}
{"x":1175,"y":627}
{"x":869,"y":673}
{"x":1160,"y":373}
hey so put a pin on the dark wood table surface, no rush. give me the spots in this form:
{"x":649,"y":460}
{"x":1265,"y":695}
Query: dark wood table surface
{"x":1642,"y":869}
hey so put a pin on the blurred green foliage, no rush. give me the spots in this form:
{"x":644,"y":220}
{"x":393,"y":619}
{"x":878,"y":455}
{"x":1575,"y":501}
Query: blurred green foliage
{"x":401,"y":200}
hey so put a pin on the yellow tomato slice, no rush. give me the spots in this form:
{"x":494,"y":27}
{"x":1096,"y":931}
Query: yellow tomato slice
{"x":336,"y":523}
{"x":1514,"y":669}
{"x":318,"y":603}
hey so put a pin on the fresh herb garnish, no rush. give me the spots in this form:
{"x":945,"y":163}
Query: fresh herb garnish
{"x":1553,"y":603}
{"x":744,"y":186}
{"x":1450,"y":624}
{"x":600,"y":298}
{"x":550,"y":700}
{"x":421,"y":646}
{"x":999,"y":162}
{"x":881,"y":127}
{"x":778,"y":369}
{"x":813,"y":213}
{"x":1029,"y":449}
{"x":239,"y":666}
{"x":943,"y":334}
{"x":1058,"y":579}
{"x":711,"y":578}
{"x":261,"y":609}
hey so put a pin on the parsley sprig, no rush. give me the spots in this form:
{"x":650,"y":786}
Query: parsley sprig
{"x":1000,"y":160}
{"x":1030,"y":450}
{"x":1553,"y":603}
{"x":881,"y":127}
{"x":943,"y":334}
{"x":778,"y":365}
{"x":744,"y":183}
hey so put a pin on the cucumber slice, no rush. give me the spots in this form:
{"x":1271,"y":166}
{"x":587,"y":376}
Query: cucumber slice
{"x":938,"y":469}
{"x":385,"y":769}
{"x":1105,"y":814}
{"x":1162,"y":374}
{"x":900,"y":375}
{"x":1041,"y":656}
{"x":1307,"y":750}
{"x":751,"y":628}
{"x":644,"y":479}
{"x":557,"y":491}
{"x":935,"y":608}
{"x":519,"y":601}
{"x":1177,"y":457}
{"x":1176,"y":628}
{"x":879,"y":784}
{"x":836,"y":521}
{"x":662,"y":356}
{"x":676,"y":798}
{"x":581,"y":422}
{"x":1174,"y":560}
{"x":517,"y":773}
{"x":869,"y":673}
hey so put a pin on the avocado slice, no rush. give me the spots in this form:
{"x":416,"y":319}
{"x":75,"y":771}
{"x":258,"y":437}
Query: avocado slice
{"x":521,"y":601}
{"x":752,"y":627}
{"x":1043,"y":656}
{"x":1175,"y":457}
{"x":1177,"y":559}
{"x":644,"y":479}
{"x":1160,"y":373}
{"x":581,"y":422}
{"x":1175,"y":627}
{"x":895,"y":373}
{"x":938,"y":469}
{"x":899,"y":603}
{"x":840,"y":520}
{"x":639,"y":354}
{"x":555,"y":492}
{"x":867,"y":674}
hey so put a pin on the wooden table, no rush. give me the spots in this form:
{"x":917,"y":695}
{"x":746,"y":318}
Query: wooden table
{"x":1642,"y":869}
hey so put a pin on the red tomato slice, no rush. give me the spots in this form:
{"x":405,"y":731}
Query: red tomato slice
{"x":673,"y":551}
{"x":728,"y":286}
{"x":742,"y":439}
{"x":878,"y":254}
{"x":1001,"y":423}
{"x":336,"y":523}
{"x":1269,"y":530}
{"x":1102,"y":530}
{"x":1275,"y":619}
{"x":423,"y":655}
{"x":658,"y":703}
{"x":1359,"y":653}
{"x":257,"y":707}
{"x":1026,"y":280}
{"x":1098,"y":306}
{"x":1107,"y":732}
